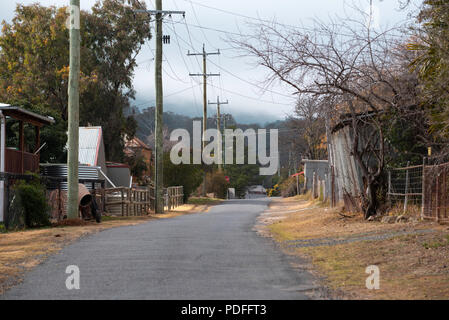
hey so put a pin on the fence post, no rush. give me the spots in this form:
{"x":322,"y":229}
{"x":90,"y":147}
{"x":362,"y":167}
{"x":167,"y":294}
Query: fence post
{"x":128,"y":196}
{"x":297,"y":184}
{"x":389,"y":187}
{"x":6,"y":202}
{"x":325,"y":188}
{"x":318,"y":188}
{"x":123,"y":201}
{"x":314,"y":186}
{"x":333,"y":200}
{"x":437,"y":198}
{"x":60,"y":215}
{"x":423,"y":187}
{"x":305,"y":183}
{"x":407,"y":182}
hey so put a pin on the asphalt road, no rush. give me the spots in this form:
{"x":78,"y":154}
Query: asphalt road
{"x":214,"y":255}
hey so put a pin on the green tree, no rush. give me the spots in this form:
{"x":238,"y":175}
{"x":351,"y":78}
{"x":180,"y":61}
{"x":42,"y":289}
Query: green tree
{"x":137,"y":165}
{"x":432,"y":62}
{"x":34,"y":61}
{"x":189,"y":176}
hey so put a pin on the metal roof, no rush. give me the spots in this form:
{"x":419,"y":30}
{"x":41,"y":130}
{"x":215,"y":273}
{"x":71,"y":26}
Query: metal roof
{"x":89,"y":145}
{"x":14,"y":111}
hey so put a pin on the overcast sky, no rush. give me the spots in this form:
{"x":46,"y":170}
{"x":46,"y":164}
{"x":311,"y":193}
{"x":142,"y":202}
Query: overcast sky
{"x":239,"y":76}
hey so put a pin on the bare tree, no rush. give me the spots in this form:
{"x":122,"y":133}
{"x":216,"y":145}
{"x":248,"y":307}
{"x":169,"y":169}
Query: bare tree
{"x":307,"y":128}
{"x":351,"y":65}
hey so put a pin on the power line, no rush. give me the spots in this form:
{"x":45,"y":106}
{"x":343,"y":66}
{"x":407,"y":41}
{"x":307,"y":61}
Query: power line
{"x":256,"y":99}
{"x":248,"y":82}
{"x":186,"y":65}
{"x":241,"y":15}
{"x":168,"y":95}
{"x":197,"y":21}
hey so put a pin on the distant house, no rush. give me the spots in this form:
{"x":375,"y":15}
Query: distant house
{"x":135,"y":146}
{"x":318,"y":167}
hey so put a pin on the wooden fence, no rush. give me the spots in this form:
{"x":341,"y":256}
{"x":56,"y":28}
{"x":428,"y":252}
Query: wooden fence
{"x":427,"y":185}
{"x":436,"y":192}
{"x":124,"y":201}
{"x":174,"y":197}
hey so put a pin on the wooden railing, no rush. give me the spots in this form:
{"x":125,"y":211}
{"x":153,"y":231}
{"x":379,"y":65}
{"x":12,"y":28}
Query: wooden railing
{"x":124,"y":201}
{"x":128,"y":201}
{"x":174,"y":197}
{"x":13,"y":161}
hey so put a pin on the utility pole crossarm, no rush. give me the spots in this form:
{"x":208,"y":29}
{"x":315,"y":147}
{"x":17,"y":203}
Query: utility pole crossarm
{"x":160,"y":11}
{"x":163,"y":13}
{"x":203,"y":53}
{"x":204,"y":74}
{"x":219,"y":102}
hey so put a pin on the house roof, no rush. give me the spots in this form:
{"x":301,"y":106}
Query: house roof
{"x":136,"y":143}
{"x":309,"y":161}
{"x":25,"y":115}
{"x":89,"y":145}
{"x":346,"y":119}
{"x":116,"y":165}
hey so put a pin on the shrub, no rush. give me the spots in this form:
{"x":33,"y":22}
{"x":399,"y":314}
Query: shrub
{"x":274,"y":192}
{"x":189,"y":176}
{"x":217,"y":183}
{"x":288,"y":187}
{"x":31,"y":199}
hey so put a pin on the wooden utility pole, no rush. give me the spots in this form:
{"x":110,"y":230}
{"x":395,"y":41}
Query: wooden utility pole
{"x":159,"y":143}
{"x":158,"y":121}
{"x":73,"y":110}
{"x":204,"y":75}
{"x":219,"y":151}
{"x":204,"y":54}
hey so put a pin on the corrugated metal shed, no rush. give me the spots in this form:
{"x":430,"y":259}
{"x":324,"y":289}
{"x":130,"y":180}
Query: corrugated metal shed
{"x":91,"y":147}
{"x":89,"y":144}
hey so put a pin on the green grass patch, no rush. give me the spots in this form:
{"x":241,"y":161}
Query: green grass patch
{"x":436,"y":244}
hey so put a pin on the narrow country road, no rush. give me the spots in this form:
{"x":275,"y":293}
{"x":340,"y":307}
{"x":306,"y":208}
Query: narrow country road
{"x":214,"y":255}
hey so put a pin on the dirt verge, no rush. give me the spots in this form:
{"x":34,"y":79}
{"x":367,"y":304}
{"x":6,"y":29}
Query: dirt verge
{"x":413,"y":257}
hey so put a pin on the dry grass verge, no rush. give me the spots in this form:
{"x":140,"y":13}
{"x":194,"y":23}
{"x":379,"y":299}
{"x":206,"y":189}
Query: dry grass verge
{"x":413,"y":266}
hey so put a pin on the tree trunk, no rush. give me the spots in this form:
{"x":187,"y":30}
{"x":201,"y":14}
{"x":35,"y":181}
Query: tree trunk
{"x":369,"y":203}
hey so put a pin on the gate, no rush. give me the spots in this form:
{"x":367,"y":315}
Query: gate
{"x":435,"y":192}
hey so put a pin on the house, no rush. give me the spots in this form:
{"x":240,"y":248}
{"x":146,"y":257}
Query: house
{"x":20,"y":155}
{"x":134,"y":147}
{"x":17,"y":155}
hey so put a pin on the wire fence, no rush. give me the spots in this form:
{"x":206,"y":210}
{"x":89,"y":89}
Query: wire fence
{"x":423,"y":188}
{"x":405,"y":187}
